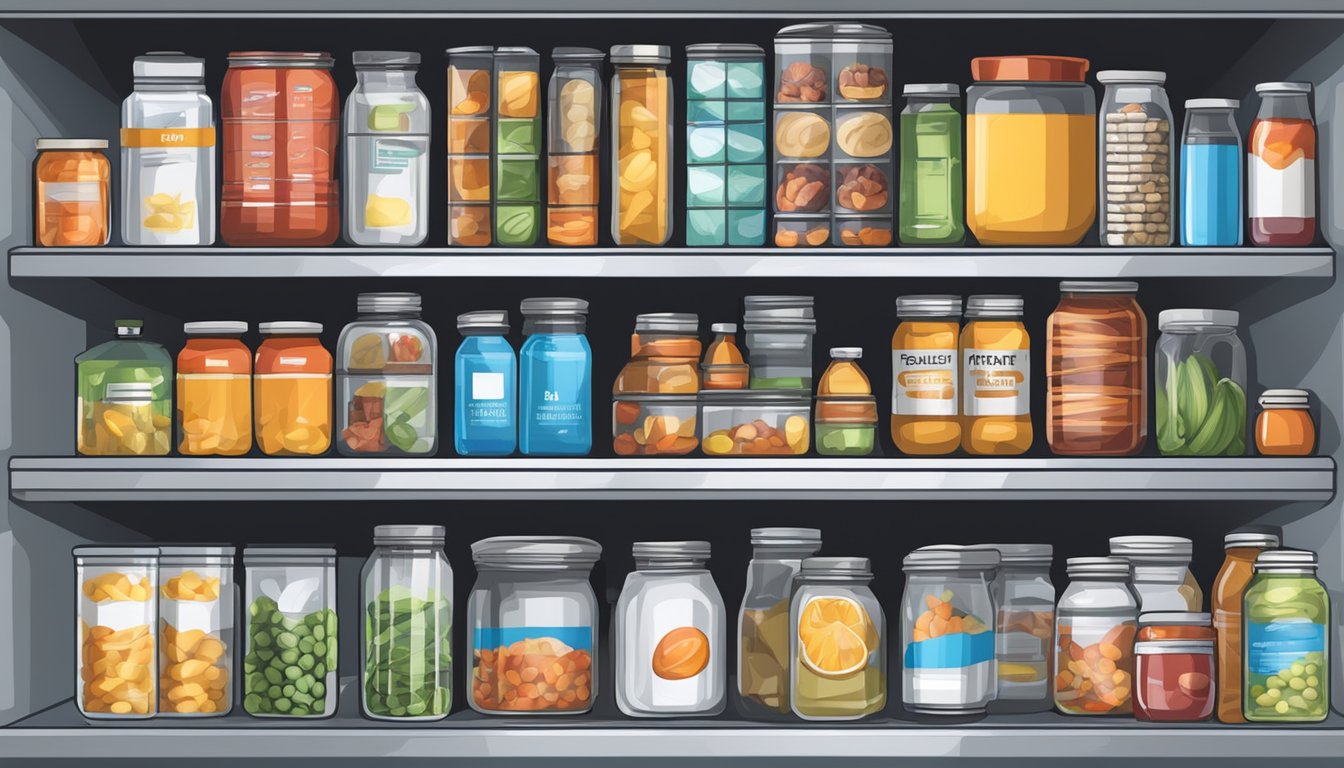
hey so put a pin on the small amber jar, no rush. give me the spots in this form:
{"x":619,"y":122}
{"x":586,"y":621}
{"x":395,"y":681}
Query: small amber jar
{"x":925,"y":412}
{"x":72,"y":195}
{"x":1175,"y":626}
{"x":995,"y":378}
{"x":1285,"y":427}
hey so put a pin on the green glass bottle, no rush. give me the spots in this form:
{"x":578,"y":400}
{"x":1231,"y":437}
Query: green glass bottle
{"x":1285,"y":646}
{"x":931,"y":210}
{"x":125,"y":360}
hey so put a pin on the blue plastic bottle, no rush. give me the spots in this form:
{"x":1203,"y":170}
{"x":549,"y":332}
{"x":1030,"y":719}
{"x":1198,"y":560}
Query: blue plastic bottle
{"x":1211,"y":174}
{"x":556,"y":391}
{"x":485,"y":376}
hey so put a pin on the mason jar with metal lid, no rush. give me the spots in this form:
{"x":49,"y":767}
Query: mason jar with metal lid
{"x":925,"y":375}
{"x":763,"y":622}
{"x":1175,"y":681}
{"x":1162,"y":577}
{"x":641,"y":145}
{"x":115,"y":651}
{"x":947,"y":630}
{"x":1287,"y":640}
{"x":837,"y":641}
{"x":1095,"y":624}
{"x":197,"y":612}
{"x":1024,"y":602}
{"x":1200,"y":383}
{"x":1136,"y":150}
{"x":1285,"y":426}
{"x":291,"y":661}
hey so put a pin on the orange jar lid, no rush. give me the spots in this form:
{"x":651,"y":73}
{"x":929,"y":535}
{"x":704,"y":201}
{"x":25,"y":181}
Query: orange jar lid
{"x":1058,"y":69}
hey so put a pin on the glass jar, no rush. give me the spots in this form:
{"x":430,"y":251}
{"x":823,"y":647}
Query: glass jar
{"x":1175,"y":681}
{"x":1097,"y":408}
{"x":671,"y":641}
{"x":763,"y":622}
{"x":517,"y":180}
{"x":837,"y":641}
{"x":1285,"y":426}
{"x":754,"y":423}
{"x":1211,"y":173}
{"x":1281,"y":178}
{"x":846,"y":408}
{"x":932,"y":210}
{"x":574,"y":127}
{"x":1175,"y":625}
{"x":533,"y":633}
{"x":485,"y":389}
{"x":387,"y":375}
{"x":1024,"y":598}
{"x":724,"y":367}
{"x":1031,"y":150}
{"x":292,"y":390}
{"x":214,"y":390}
{"x":555,"y":388}
{"x":925,"y":369}
{"x":386,"y":173}
{"x":1229,"y":589}
{"x":779,"y":333}
{"x":168,"y":154}
{"x":664,"y":356}
{"x":124,"y":360}
{"x":947,"y":630}
{"x":126,"y":423}
{"x":115,"y":660}
{"x":641,"y":144}
{"x":654,"y":425}
{"x":72,"y":197}
{"x":1200,"y":383}
{"x":290,"y":666}
{"x":281,"y":115}
{"x":471,"y":75}
{"x":196,"y":631}
{"x":1162,"y":577}
{"x":407,"y":654}
{"x":995,"y":378}
{"x":1287,"y":647}
{"x":1136,"y":148}
{"x":1095,"y":624}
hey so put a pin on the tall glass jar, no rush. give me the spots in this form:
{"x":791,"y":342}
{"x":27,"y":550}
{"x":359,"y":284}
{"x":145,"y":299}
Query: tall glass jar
{"x":575,"y":120}
{"x":72,"y":199}
{"x":1211,"y":173}
{"x":532,"y":636}
{"x":115,"y":661}
{"x":763,"y":621}
{"x":837,"y":641}
{"x":407,"y":654}
{"x":1136,"y":145}
{"x":124,"y":360}
{"x":386,"y":175}
{"x":290,"y":666}
{"x":925,"y":368}
{"x":931,"y":210}
{"x":292,"y":390}
{"x":664,"y":358}
{"x":1097,"y":339}
{"x":387,"y":377}
{"x":214,"y":390}
{"x":641,"y":145}
{"x":1162,"y":577}
{"x":1200,"y":383}
{"x":1024,"y":599}
{"x":555,"y":389}
{"x":947,"y":630}
{"x":168,"y":154}
{"x":1229,"y":589}
{"x":995,"y":378}
{"x":671,"y":641}
{"x":1287,"y":640}
{"x":1281,"y":177}
{"x":471,"y":74}
{"x":197,"y":612}
{"x":1095,"y":624}
{"x":518,"y":145}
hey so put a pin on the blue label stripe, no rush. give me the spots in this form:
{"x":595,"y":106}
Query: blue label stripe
{"x":950,"y":651}
{"x":1276,"y":645}
{"x":578,"y":638}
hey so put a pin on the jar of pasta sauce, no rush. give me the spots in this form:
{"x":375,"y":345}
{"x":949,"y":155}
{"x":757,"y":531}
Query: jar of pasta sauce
{"x":1174,"y":680}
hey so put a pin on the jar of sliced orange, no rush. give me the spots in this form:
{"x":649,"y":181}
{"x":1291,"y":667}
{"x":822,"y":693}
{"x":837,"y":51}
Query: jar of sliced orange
{"x":837,"y":642}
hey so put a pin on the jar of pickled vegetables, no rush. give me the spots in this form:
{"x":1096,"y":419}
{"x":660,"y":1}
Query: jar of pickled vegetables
{"x":932,"y":178}
{"x":196,"y":631}
{"x":947,"y":630}
{"x":1024,"y":598}
{"x":1200,"y":383}
{"x":1162,"y":577}
{"x":924,"y":375}
{"x":575,"y":119}
{"x":763,"y":623}
{"x":1229,"y":590}
{"x":387,"y":376}
{"x":1095,"y":625}
{"x":995,"y":378}
{"x":214,"y":390}
{"x":837,"y":641}
{"x":1097,"y":339}
{"x":1285,"y":426}
{"x":641,"y":116}
{"x":1287,"y":640}
{"x":518,"y":146}
{"x":115,"y":662}
{"x":290,"y":666}
{"x":407,"y":654}
{"x":72,"y":197}
{"x":292,"y":390}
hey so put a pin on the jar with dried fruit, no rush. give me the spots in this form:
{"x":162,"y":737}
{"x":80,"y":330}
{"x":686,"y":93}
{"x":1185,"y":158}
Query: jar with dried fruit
{"x":573,"y":130}
{"x":387,"y":377}
{"x":837,"y":641}
{"x":532,"y":625}
{"x":754,"y":423}
{"x":670,"y":634}
{"x":763,"y":623}
{"x":1095,"y":624}
{"x":1229,"y":588}
{"x":925,"y":373}
{"x":931,"y":211}
{"x":1024,"y":598}
{"x":654,"y":425}
{"x":72,"y":196}
{"x":1175,"y":681}
{"x":196,"y":631}
{"x":947,"y":630}
{"x":1136,"y":146}
{"x":664,"y":356}
{"x":471,"y":75}
{"x":517,"y":143}
{"x":642,"y":143}
{"x":725,"y":144}
{"x":115,"y":659}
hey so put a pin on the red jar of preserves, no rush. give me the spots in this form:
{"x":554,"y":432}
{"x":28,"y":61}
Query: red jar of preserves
{"x":1173,"y":681}
{"x":281,"y":120}
{"x":1164,"y":625}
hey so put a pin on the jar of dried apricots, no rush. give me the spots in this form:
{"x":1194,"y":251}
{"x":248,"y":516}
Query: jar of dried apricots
{"x":114,"y":659}
{"x":996,"y":378}
{"x":1095,"y":626}
{"x":947,"y":630}
{"x":532,"y":625}
{"x":196,"y":631}
{"x":837,"y":642}
{"x":641,"y":138}
{"x":664,"y":356}
{"x":72,"y":195}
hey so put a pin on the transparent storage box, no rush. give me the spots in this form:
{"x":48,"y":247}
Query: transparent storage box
{"x":654,"y":425}
{"x":290,"y":666}
{"x":197,"y":612}
{"x":517,"y":178}
{"x":574,"y":128}
{"x":471,"y":84}
{"x":386,"y":379}
{"x":115,"y":663}
{"x":725,"y":144}
{"x":642,"y":143}
{"x":755,"y":423}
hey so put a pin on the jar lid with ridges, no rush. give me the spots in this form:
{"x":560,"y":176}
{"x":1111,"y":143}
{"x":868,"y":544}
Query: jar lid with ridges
{"x":1286,"y":559}
{"x":830,"y":31}
{"x":113,"y":553}
{"x":1168,"y":647}
{"x":1122,"y":76}
{"x":264,"y":555}
{"x":427,"y":535}
{"x":1283,"y":87}
{"x":373,"y":60}
{"x":1024,"y":554}
{"x":668,"y":322}
{"x":1212,"y":104}
{"x":1106,"y":567}
{"x":516,"y":52}
{"x":1285,"y":398}
{"x":799,"y":537}
{"x":70,"y":144}
{"x":1158,"y":548}
{"x":846,"y":353}
{"x":931,"y":89}
{"x":553,"y":306}
{"x":836,"y":567}
{"x":471,"y":50}
{"x":717,"y":51}
{"x":994,"y":306}
{"x":535,"y":552}
{"x":290,"y":328}
{"x":168,"y":66}
{"x":379,"y":303}
{"x":1169,"y":319}
{"x":928,"y":306}
{"x":493,"y":320}
{"x":282,"y":59}
{"x":641,"y":54}
{"x":1175,"y":619}
{"x":723,"y":328}
{"x":1251,"y":538}
{"x":576,"y":54}
{"x":941,"y":557}
{"x":1098,"y":286}
{"x":215,"y":328}
{"x":671,"y":552}
{"x":1035,"y":69}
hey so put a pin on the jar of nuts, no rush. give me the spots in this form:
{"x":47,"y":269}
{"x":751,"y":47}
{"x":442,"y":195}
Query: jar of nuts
{"x":1136,"y":159}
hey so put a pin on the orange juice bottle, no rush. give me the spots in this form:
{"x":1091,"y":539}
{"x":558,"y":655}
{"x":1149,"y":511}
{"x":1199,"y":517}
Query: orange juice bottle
{"x":925,"y":369}
{"x":996,"y":377}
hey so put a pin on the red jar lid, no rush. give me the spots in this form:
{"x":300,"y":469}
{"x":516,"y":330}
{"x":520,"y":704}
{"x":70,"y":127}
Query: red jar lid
{"x":1060,"y":69}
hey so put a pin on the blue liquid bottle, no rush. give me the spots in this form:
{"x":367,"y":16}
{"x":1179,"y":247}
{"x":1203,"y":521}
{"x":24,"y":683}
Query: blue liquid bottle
{"x":485,"y":386}
{"x":1211,"y":174}
{"x":556,"y":389}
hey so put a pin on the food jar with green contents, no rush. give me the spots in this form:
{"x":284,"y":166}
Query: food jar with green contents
{"x":1287,"y":648}
{"x":1200,"y":379}
{"x":386,"y":379}
{"x":763,"y":624}
{"x":837,"y":641}
{"x":127,"y":359}
{"x":517,"y":179}
{"x":846,"y":409}
{"x":931,"y":208}
{"x":407,"y":655}
{"x":290,"y":666}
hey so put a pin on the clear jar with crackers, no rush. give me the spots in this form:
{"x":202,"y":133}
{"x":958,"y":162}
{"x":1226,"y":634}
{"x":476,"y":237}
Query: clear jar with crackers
{"x":1135,"y":151}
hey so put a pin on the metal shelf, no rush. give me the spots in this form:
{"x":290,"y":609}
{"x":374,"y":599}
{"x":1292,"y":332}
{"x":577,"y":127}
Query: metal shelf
{"x":672,"y":262}
{"x":260,"y":479}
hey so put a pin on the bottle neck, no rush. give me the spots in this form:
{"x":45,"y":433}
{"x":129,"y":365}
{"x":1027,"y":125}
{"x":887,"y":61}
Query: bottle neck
{"x":1284,"y":106}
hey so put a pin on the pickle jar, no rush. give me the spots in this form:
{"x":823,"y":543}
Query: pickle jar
{"x":575,"y":119}
{"x":1024,"y":599}
{"x":837,"y":641}
{"x":407,"y":654}
{"x":290,"y":666}
{"x":533,"y":616}
{"x":1162,"y":577}
{"x":1200,"y":383}
{"x":291,"y":390}
{"x":641,"y":145}
{"x":777,"y":555}
{"x":996,"y":378}
{"x":72,"y":196}
{"x":197,"y":611}
{"x":214,"y":390}
{"x":387,"y":364}
{"x":1286,"y":642}
{"x":925,"y":373}
{"x":1095,"y":624}
{"x":947,"y":630}
{"x":115,"y":662}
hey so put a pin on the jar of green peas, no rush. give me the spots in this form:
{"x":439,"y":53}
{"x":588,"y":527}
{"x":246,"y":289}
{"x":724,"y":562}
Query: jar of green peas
{"x":1287,"y":615}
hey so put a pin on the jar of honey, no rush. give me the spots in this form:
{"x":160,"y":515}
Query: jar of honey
{"x":924,"y":375}
{"x":1173,"y":625}
{"x":292,"y":390}
{"x":214,"y":391}
{"x":1284,"y":426}
{"x":996,"y":377}
{"x":71,"y":198}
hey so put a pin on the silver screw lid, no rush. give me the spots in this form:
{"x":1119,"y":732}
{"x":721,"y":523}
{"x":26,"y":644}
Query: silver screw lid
{"x":1102,"y":567}
{"x":846,"y":353}
{"x":928,"y":306}
{"x":168,"y":66}
{"x":1174,"y":319}
{"x":289,"y":328}
{"x":1285,"y":398}
{"x":938,"y":557}
{"x":1212,"y":104}
{"x":389,"y":303}
{"x":1024,"y":554}
{"x":215,"y":328}
{"x":1146,"y":76}
{"x":1262,"y":539}
{"x":994,"y":306}
{"x":47,"y":144}
{"x":1167,"y":549}
{"x":641,"y":54}
{"x":1286,"y":560}
{"x":1098,"y":286}
{"x":668,"y":322}
{"x":799,"y":537}
{"x":426,"y":535}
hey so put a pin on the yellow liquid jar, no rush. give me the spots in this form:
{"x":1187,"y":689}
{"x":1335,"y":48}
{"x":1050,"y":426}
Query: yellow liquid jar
{"x":925,"y":373}
{"x":996,"y":378}
{"x":837,"y":641}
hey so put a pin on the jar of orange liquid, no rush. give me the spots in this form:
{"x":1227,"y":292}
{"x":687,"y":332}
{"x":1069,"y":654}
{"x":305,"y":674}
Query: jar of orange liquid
{"x":996,"y":377}
{"x":214,"y":391}
{"x":925,"y":369}
{"x":72,"y":192}
{"x":293,"y":390}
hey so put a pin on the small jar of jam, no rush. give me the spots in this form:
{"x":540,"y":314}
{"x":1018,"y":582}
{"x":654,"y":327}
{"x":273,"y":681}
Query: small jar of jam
{"x":1172,"y":625}
{"x":1173,"y":680}
{"x":72,"y":192}
{"x":1285,"y":426}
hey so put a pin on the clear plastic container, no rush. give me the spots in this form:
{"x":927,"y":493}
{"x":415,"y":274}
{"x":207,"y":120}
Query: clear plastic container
{"x":387,"y":377}
{"x":573,"y":138}
{"x":947,"y":630}
{"x":1287,"y":640}
{"x":116,"y":666}
{"x":665,"y":354}
{"x":290,"y":666}
{"x":779,"y":332}
{"x":754,"y":423}
{"x":1285,"y":426}
{"x":407,"y":655}
{"x":1281,"y":177}
{"x":1200,"y":383}
{"x":763,"y":622}
{"x":837,"y":641}
{"x":724,"y":367}
{"x":127,"y":359}
{"x":1229,"y":590}
{"x":555,"y":389}
{"x":485,"y":394}
{"x":995,"y":378}
{"x":197,"y":611}
{"x":670,"y":633}
{"x":1211,"y":173}
{"x":386,"y":174}
{"x":932,"y":210}
{"x":1136,"y":149}
{"x":168,"y":154}
{"x":292,"y":390}
{"x":1162,"y":577}
{"x":846,"y":408}
{"x":214,"y":390}
{"x":72,"y":197}
{"x":1175,"y":681}
{"x":471,"y":144}
{"x":654,"y":425}
{"x":925,"y":375}
{"x":641,"y":145}
{"x":518,"y":143}
{"x":1024,"y":598}
{"x":533,"y":635}
{"x":1095,"y":624}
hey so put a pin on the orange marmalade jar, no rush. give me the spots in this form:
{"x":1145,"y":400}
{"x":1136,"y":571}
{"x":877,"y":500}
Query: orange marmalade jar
{"x":996,"y":377}
{"x":214,"y":391}
{"x":292,"y":390}
{"x":664,"y":356}
{"x":1284,"y":426}
{"x":72,"y":197}
{"x":925,"y":370}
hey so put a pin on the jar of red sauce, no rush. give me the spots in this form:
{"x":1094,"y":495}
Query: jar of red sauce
{"x":1171,"y":625}
{"x":1173,"y":680}
{"x":292,"y":391}
{"x":281,"y":120}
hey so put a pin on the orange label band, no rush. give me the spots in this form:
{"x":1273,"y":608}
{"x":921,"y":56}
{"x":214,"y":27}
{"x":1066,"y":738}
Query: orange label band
{"x":167,"y":137}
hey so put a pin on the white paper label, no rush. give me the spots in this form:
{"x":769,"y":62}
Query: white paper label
{"x":296,"y":361}
{"x":123,"y":614}
{"x":996,"y":382}
{"x":924,"y":382}
{"x":186,"y":615}
{"x":487,"y":385}
{"x":1288,"y":193}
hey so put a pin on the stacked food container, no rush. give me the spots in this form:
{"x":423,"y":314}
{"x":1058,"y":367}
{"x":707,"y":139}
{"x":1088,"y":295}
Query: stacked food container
{"x":470,"y":78}
{"x":517,"y":181}
{"x":575,"y":104}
